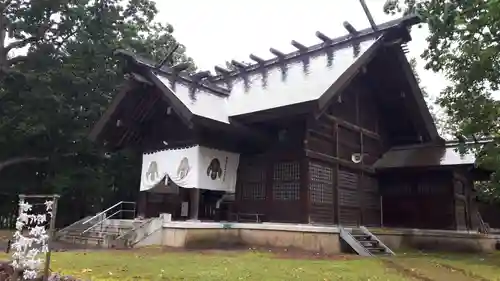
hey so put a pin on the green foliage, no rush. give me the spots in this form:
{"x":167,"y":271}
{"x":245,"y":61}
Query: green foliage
{"x":445,"y":128}
{"x":55,"y":88}
{"x":464,"y":45}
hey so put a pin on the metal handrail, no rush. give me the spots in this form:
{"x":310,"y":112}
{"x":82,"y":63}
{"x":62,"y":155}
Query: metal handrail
{"x":107,"y":210}
{"x":104,"y":219}
{"x":372,"y":236}
{"x":99,"y":222}
{"x":355,"y":244}
{"x":71,"y":225}
{"x":135,"y":228}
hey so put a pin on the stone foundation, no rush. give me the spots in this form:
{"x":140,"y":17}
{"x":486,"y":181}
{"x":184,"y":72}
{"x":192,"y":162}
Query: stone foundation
{"x":302,"y":237}
{"x":318,"y":239}
{"x":436,"y":240}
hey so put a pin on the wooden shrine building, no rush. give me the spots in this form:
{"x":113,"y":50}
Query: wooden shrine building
{"x":335,"y":133}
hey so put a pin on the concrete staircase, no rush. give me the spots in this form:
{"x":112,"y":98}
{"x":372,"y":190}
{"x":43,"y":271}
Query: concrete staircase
{"x":364,"y":243}
{"x":101,"y":235}
{"x":100,"y":230}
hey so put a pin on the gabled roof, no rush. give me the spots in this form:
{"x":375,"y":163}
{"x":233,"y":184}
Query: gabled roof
{"x":299,"y":80}
{"x":432,"y":155}
{"x":424,"y":156}
{"x":299,"y":77}
{"x":310,"y":76}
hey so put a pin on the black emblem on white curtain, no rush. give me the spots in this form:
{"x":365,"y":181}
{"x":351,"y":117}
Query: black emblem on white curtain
{"x":152,"y":172}
{"x":214,"y":170}
{"x":183,"y":169}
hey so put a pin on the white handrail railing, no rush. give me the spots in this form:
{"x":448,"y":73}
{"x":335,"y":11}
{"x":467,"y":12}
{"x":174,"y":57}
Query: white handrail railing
{"x":80,"y":221}
{"x":107,"y":210}
{"x":100,"y":222}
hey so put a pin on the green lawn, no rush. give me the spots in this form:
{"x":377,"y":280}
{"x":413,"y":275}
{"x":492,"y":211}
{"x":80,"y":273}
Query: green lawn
{"x":155,"y":264}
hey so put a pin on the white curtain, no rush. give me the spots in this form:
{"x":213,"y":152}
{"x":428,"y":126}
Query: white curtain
{"x":193,"y":167}
{"x":217,"y":169}
{"x":179,"y":165}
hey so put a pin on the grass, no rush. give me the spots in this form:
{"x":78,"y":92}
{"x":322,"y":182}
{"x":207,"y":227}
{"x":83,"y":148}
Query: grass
{"x":477,"y":267}
{"x":155,"y":264}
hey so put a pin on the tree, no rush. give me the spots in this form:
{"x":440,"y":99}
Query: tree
{"x":57,"y":75}
{"x":463,"y":44}
{"x":445,"y":128}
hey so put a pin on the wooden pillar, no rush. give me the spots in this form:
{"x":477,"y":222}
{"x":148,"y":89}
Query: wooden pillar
{"x":269,"y":166}
{"x":336,"y":201}
{"x":305,"y":177}
{"x":142,"y":204}
{"x":304,"y":190}
{"x":194,"y":203}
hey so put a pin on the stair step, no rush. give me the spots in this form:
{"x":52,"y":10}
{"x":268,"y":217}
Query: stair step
{"x":362,"y":237}
{"x":363,"y":242}
{"x":368,"y":243}
{"x":375,"y":249}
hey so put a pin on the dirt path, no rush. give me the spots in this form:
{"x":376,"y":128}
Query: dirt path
{"x":464,"y":272}
{"x":408,"y":273}
{"x":426,"y":270}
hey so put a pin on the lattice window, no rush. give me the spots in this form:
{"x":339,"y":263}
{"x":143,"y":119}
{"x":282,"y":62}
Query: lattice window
{"x":286,"y":191}
{"x":253,"y":191}
{"x":252,"y":182}
{"x":321,"y":183}
{"x":286,"y":181}
{"x":286,"y":171}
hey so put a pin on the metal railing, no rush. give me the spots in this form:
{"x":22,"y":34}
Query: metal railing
{"x":373,"y":237}
{"x":130,"y":237}
{"x":69,"y":227}
{"x":355,"y":244}
{"x":483,"y":226}
{"x":117,"y":211}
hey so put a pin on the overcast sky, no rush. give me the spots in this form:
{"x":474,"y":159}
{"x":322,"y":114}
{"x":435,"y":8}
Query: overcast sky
{"x":216,"y":31}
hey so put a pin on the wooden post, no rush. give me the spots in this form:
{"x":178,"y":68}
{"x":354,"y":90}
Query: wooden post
{"x":195,"y":204}
{"x":51,"y":237}
{"x":381,"y":211}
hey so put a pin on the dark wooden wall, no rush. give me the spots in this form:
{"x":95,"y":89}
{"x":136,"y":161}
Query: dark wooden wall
{"x":341,"y":191}
{"x":418,"y":199}
{"x":153,"y":204}
{"x":271,"y":182}
{"x":466,"y":205}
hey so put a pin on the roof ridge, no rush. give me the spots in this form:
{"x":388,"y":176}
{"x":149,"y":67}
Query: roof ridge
{"x":206,"y":80}
{"x":302,"y":50}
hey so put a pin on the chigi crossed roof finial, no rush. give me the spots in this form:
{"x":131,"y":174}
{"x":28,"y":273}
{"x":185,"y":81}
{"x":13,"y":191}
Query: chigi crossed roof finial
{"x":223,"y":78}
{"x":280,"y":57}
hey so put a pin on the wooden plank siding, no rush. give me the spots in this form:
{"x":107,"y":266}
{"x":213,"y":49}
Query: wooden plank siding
{"x":466,"y":207}
{"x":350,"y":125}
{"x":419,"y":199}
{"x":275,"y":182}
{"x":321,"y":192}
